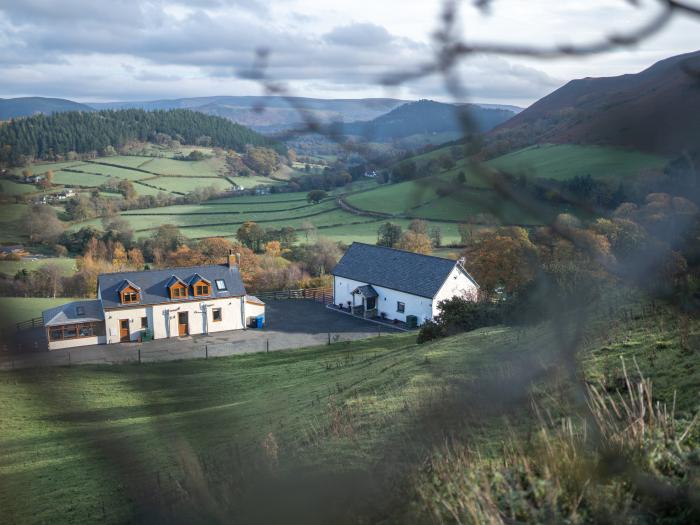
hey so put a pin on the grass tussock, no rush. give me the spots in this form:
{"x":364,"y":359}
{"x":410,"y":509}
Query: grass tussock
{"x":623,"y":459}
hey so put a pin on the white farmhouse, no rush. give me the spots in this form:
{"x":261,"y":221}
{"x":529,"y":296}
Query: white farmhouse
{"x":374,"y":281}
{"x":173,"y":302}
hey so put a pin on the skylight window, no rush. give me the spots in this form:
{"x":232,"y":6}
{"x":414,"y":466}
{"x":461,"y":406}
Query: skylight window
{"x":220,"y":284}
{"x":80,"y":311}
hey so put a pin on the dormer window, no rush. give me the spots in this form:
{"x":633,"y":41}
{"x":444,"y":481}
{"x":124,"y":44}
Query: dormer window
{"x":129,"y":293}
{"x":200,"y":285}
{"x":177,"y":288}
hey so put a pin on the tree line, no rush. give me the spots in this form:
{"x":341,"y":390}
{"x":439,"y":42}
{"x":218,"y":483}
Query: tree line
{"x":46,"y":137}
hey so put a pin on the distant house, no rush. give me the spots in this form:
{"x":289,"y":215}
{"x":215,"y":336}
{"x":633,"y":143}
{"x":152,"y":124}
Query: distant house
{"x":374,"y":281}
{"x":15,"y":249}
{"x":174,"y":302}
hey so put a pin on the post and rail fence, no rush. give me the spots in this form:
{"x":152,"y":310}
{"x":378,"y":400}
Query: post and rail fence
{"x":322,"y":295}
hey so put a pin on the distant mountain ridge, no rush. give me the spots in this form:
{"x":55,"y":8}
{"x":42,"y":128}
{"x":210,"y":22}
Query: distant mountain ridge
{"x":27,"y":106}
{"x":426,"y":117}
{"x":655,"y":110}
{"x":271,"y":113}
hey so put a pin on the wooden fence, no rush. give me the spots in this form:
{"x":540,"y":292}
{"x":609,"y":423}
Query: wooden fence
{"x":322,"y":295}
{"x":37,"y":322}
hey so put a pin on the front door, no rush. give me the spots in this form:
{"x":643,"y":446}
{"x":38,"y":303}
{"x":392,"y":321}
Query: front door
{"x":124,"y":336}
{"x":182,"y":327}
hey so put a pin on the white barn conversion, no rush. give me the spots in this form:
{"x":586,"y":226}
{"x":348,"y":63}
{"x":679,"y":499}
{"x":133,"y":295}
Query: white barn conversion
{"x":374,"y":281}
{"x":156,"y":304}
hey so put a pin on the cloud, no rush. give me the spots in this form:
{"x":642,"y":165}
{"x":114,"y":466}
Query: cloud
{"x":359,"y":35}
{"x":138,"y":49}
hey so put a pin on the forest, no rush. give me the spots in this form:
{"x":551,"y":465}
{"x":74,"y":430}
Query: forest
{"x":47,"y":136}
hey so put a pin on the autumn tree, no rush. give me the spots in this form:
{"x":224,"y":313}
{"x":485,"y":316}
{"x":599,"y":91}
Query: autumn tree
{"x":215,"y":249}
{"x":415,"y":242}
{"x":504,"y":258}
{"x":41,"y":224}
{"x":418,"y":226}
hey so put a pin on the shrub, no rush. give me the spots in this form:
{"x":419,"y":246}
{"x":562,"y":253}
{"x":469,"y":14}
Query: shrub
{"x":429,"y":331}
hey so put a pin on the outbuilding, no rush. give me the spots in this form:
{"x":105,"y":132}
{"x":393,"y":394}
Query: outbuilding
{"x":375,"y":281}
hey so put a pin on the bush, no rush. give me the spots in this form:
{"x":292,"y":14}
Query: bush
{"x":429,"y":331}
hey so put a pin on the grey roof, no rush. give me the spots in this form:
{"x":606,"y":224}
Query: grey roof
{"x":366,"y":291}
{"x":196,"y":278}
{"x":399,"y":270}
{"x":126,"y":283}
{"x":174,"y":279}
{"x":68,"y":313}
{"x":154,"y":284}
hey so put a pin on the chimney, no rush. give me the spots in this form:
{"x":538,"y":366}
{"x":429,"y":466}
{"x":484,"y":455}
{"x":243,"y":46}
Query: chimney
{"x":232,"y":259}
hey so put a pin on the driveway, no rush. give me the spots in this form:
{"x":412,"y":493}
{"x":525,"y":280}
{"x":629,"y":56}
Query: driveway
{"x":291,"y":324}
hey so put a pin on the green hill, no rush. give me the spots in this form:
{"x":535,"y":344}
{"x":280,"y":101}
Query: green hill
{"x":345,"y":425}
{"x":437,"y":196}
{"x":42,"y":136}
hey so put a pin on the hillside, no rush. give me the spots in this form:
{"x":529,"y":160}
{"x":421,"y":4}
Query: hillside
{"x":41,"y":136}
{"x":653,"y":111}
{"x":428,"y":117}
{"x":27,"y":106}
{"x":335,"y":427}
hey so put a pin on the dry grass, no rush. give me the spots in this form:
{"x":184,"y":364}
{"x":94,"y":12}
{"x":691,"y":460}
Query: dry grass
{"x":623,"y":459}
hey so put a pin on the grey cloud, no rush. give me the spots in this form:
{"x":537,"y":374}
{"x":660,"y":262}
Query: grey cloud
{"x":359,"y":35}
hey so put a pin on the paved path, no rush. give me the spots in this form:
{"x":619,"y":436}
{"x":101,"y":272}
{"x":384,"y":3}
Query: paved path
{"x":292,"y":324}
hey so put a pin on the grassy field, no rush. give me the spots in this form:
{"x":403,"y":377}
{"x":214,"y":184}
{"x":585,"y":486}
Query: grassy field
{"x":11,"y":187}
{"x":160,"y":173}
{"x":17,"y":309}
{"x":9,"y":222}
{"x":12,"y":267}
{"x":563,"y":161}
{"x":89,"y":442}
{"x":420,"y":197}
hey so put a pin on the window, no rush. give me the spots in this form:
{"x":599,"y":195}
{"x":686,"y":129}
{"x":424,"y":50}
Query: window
{"x":216,"y":315}
{"x":144,"y":322}
{"x":80,"y":311}
{"x":130,"y":297}
{"x":201,"y":289}
{"x":400,"y":307}
{"x":76,"y":331}
{"x":178,"y":292}
{"x":220,"y":284}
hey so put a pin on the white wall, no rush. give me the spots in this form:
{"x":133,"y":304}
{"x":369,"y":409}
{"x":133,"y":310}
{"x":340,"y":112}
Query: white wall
{"x":252,"y":310}
{"x":162,"y":318}
{"x":421,"y":307}
{"x":456,"y":285}
{"x":80,"y":341}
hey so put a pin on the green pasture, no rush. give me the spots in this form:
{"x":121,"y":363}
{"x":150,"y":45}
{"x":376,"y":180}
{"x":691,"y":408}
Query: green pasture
{"x":163,"y":166}
{"x":10,"y":231}
{"x":89,"y":441}
{"x":188,"y":184}
{"x":43,"y":167}
{"x":33,"y":263}
{"x":112,"y":171}
{"x":17,"y":309}
{"x":564,"y":161}
{"x":11,"y":187}
{"x":87,"y":180}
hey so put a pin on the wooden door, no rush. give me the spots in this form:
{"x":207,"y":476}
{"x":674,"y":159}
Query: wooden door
{"x":182,"y":325}
{"x":124,"y":336}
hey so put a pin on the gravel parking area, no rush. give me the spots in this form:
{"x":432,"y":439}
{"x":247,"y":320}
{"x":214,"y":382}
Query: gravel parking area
{"x":290,"y":324}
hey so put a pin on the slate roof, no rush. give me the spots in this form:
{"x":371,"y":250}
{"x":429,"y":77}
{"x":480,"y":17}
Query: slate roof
{"x":366,"y":291}
{"x":68,"y":313}
{"x":154,"y":284}
{"x":409,"y":272}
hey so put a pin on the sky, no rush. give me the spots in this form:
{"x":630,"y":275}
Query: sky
{"x":108,"y":50}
